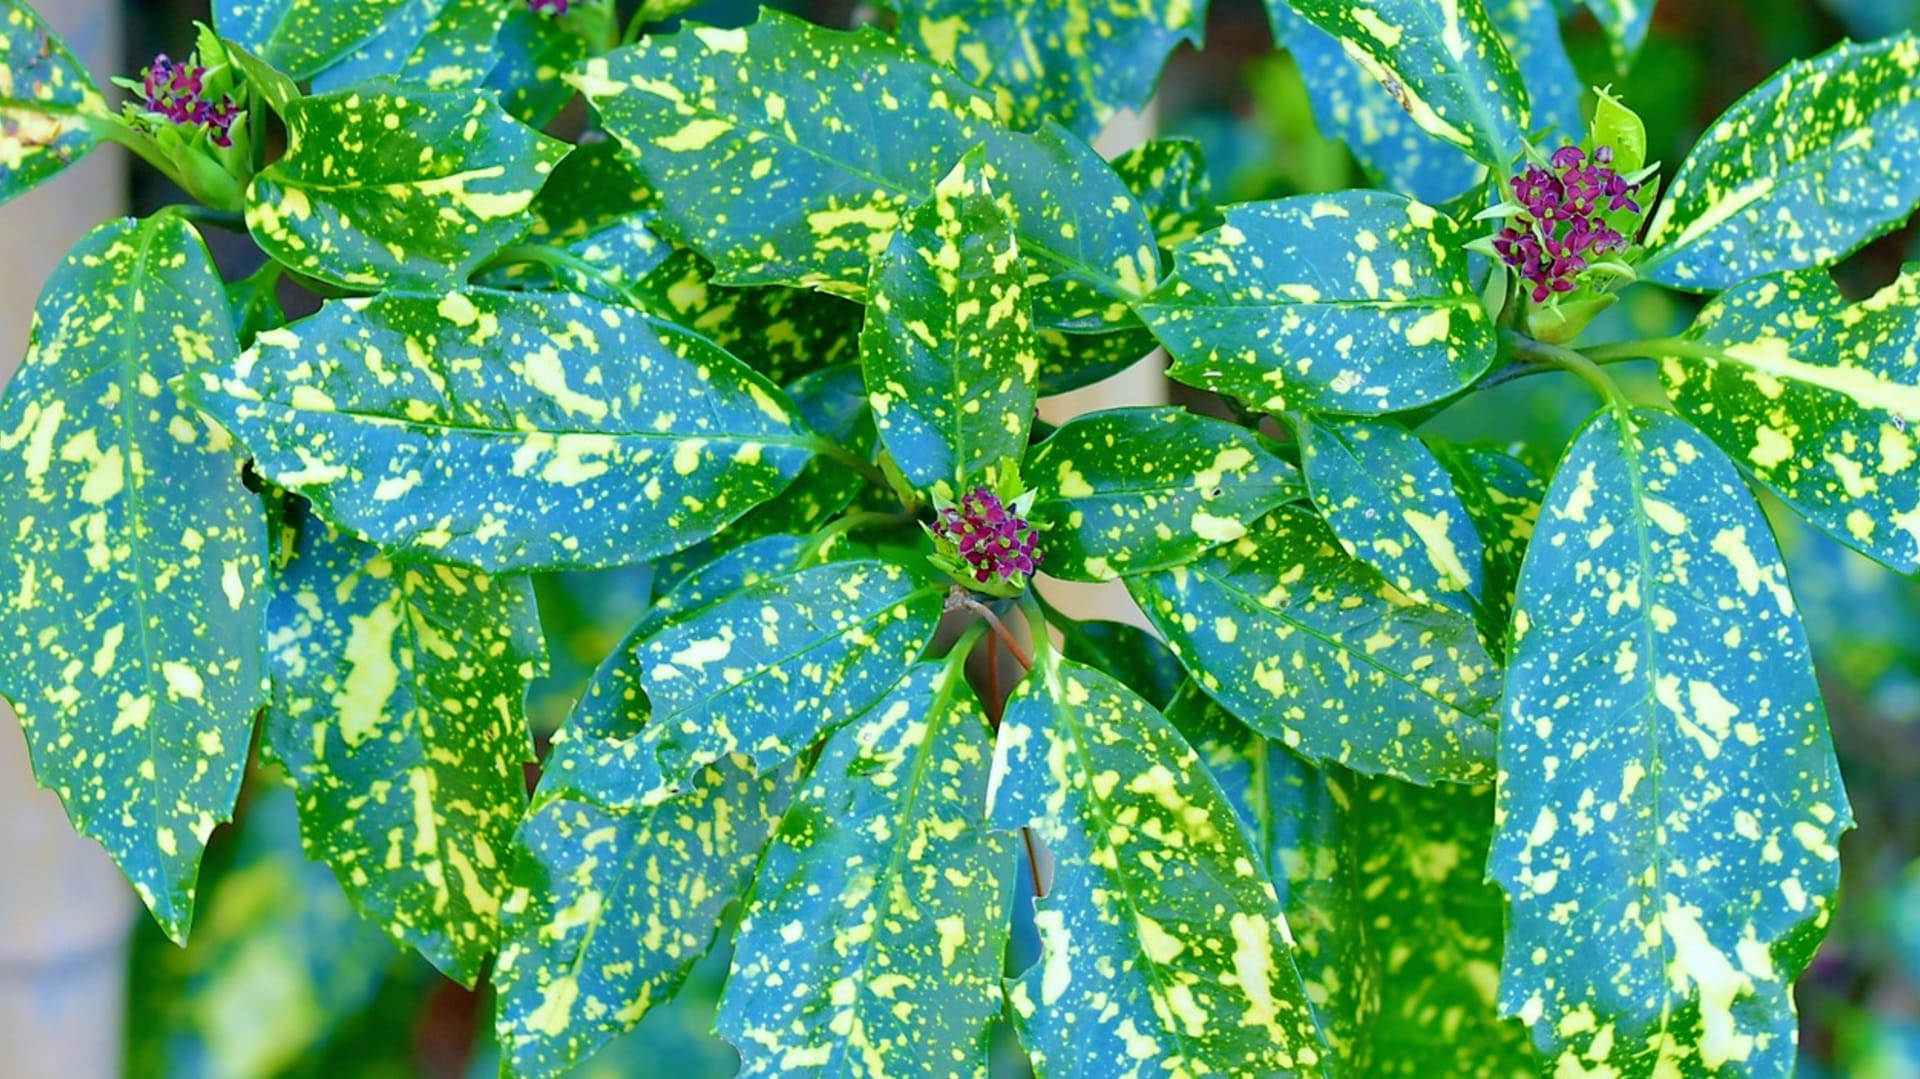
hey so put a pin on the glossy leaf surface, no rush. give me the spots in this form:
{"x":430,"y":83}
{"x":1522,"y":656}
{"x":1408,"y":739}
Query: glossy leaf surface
{"x":1669,"y":803}
{"x":434,"y":44}
{"x":300,"y":37}
{"x":1316,"y":649}
{"x":45,"y":94}
{"x":134,"y":571}
{"x":1162,"y":943}
{"x":1357,"y":302}
{"x":1132,"y":490}
{"x":608,"y":437}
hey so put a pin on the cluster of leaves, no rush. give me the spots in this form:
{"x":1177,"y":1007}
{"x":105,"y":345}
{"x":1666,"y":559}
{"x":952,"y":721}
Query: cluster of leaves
{"x":777,"y":326}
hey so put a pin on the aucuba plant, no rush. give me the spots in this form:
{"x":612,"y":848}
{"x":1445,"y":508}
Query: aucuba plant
{"x":1437,"y":758}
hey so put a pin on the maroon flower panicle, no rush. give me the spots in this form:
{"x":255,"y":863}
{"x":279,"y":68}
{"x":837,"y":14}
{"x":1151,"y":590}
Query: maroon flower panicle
{"x":1563,"y":224}
{"x":997,"y":544}
{"x":174,"y":92}
{"x":547,"y":7}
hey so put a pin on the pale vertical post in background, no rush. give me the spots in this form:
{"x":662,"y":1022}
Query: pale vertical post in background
{"x":1144,"y":383}
{"x":64,"y":910}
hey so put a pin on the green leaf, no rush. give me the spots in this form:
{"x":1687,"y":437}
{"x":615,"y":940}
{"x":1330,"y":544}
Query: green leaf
{"x":1802,"y":171}
{"x":1396,"y":934}
{"x":1133,"y":490}
{"x":265,"y":82}
{"x":1502,"y":496}
{"x":1316,"y":649}
{"x":385,"y":186}
{"x":1072,"y":61}
{"x":1169,"y":177}
{"x":611,"y":906}
{"x":715,"y":119}
{"x":1357,"y":302}
{"x":1394,"y":507}
{"x":1129,"y":653}
{"x":1349,"y":103}
{"x":134,"y":569}
{"x":606,"y":437}
{"x":761,"y":673}
{"x":783,"y":333}
{"x":45,"y":98}
{"x":1819,"y":399}
{"x":948,"y":348}
{"x":535,"y":50}
{"x":1161,"y":939}
{"x":399,"y":711}
{"x":878,"y":924}
{"x":1443,"y":62}
{"x":300,"y":37}
{"x":1626,"y":23}
{"x":1071,"y":361}
{"x":834,"y":403}
{"x":1669,"y":802}
{"x":433,"y":44}
{"x":254,"y":303}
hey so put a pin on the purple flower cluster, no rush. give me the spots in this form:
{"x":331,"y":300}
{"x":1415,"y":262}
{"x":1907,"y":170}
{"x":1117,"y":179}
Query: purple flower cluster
{"x":174,"y":91}
{"x":995,"y":542}
{"x":547,"y":7}
{"x":1563,"y":226}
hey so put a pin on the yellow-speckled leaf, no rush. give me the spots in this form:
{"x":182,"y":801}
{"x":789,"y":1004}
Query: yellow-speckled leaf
{"x":1394,"y":507}
{"x":45,"y":96}
{"x":717,"y":120}
{"x":877,"y":931}
{"x":1133,"y":490}
{"x":947,"y":349}
{"x":1800,"y":172}
{"x":388,"y":186}
{"x":611,"y":906}
{"x":1357,"y":302}
{"x":1502,"y":495}
{"x":301,"y":36}
{"x":1442,"y":61}
{"x":1315,"y":648}
{"x":1669,"y":803}
{"x":1819,"y":399}
{"x":433,"y":44}
{"x":761,"y":673}
{"x":537,"y":49}
{"x":1163,"y":949}
{"x":1073,"y":61}
{"x":399,"y":695}
{"x":1626,"y":23}
{"x":134,"y":567}
{"x":605,"y":437}
{"x":1396,"y":934}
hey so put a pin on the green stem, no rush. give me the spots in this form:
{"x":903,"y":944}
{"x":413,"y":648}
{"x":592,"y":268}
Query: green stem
{"x":1651,"y":349}
{"x":827,"y":447}
{"x":1540,"y":354}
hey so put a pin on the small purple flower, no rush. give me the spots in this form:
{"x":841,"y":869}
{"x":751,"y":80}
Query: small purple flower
{"x":1560,"y":227}
{"x":173,"y":91}
{"x":997,"y":544}
{"x":548,"y":7}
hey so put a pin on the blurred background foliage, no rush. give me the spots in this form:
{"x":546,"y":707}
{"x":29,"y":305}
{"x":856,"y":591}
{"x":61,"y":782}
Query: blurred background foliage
{"x":282,"y":980}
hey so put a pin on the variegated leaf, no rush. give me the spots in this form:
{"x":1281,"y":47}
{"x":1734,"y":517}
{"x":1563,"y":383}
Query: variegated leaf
{"x":611,"y":906}
{"x":399,"y":694}
{"x":300,"y":37}
{"x":1134,"y":490}
{"x":1626,"y":23}
{"x":1357,"y":302}
{"x":1397,"y":935}
{"x":1819,"y":399}
{"x":1394,"y":507}
{"x":1169,"y":177}
{"x":433,"y":44}
{"x":385,"y":186}
{"x":1349,"y":103}
{"x":762,"y":673}
{"x":1131,"y":654}
{"x":45,"y":97}
{"x":1442,"y":61}
{"x":1163,"y":949}
{"x":1800,"y":172}
{"x":877,"y":930}
{"x":1669,"y":803}
{"x":607,"y":437}
{"x":1076,"y":62}
{"x":1316,"y":649}
{"x":536,"y":50}
{"x":947,"y":348}
{"x":1502,"y":495}
{"x":134,"y":569}
{"x":715,"y":118}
